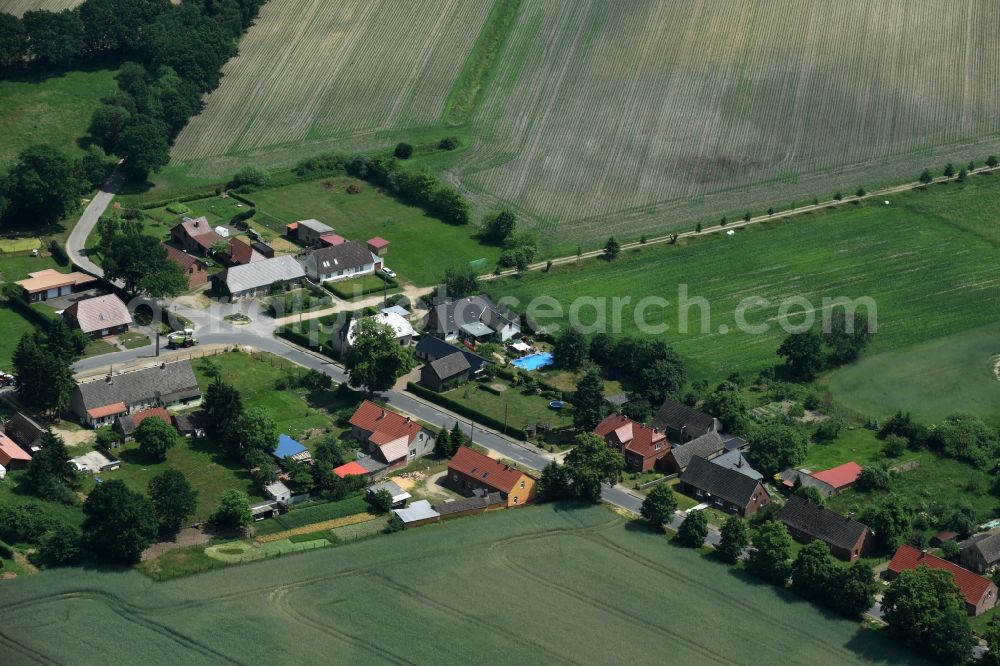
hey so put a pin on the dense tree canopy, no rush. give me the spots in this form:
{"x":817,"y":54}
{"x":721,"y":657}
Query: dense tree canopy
{"x":590,"y":463}
{"x":588,"y":401}
{"x":775,"y":447}
{"x":925,"y":609}
{"x":376,"y":360}
{"x":234,"y":510}
{"x":50,"y":474}
{"x":693,"y":530}
{"x":498,"y":226}
{"x":42,"y":186}
{"x":570,"y":350}
{"x":659,"y":506}
{"x":173,"y":499}
{"x":889,"y":519}
{"x":120,"y":523}
{"x":772,"y":548}
{"x":803,"y":354}
{"x":42,"y":363}
{"x":256,"y":430}
{"x":155,"y":437}
{"x":460,"y":281}
{"x":734,"y":538}
{"x":138,"y":260}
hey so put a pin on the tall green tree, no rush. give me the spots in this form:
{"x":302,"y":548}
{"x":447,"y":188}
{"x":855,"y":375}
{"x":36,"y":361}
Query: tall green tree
{"x":926,"y":610}
{"x":50,"y":474}
{"x":173,"y":499}
{"x":726,"y":403}
{"x":813,"y":572}
{"x":659,"y":506}
{"x":55,"y":39}
{"x":155,"y":437}
{"x":256,"y":430}
{"x":376,"y":359}
{"x":119,"y":523}
{"x":992,"y":637}
{"x":803,"y":354}
{"x":588,"y":401}
{"x":42,"y":187}
{"x":442,"y":444}
{"x":890,"y":520}
{"x":43,"y":373}
{"x":224,"y":405}
{"x":13,"y":40}
{"x":570,"y":350}
{"x":498,"y":226}
{"x":143,"y":144}
{"x":770,"y":552}
{"x":140,"y":261}
{"x":612,"y":249}
{"x":590,"y":463}
{"x":461,"y":281}
{"x":775,"y":447}
{"x":735,"y":537}
{"x":854,"y":590}
{"x":693,"y":530}
{"x":233,"y":512}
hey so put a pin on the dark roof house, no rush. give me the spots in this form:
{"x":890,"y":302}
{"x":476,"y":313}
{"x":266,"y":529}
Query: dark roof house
{"x":735,"y":459}
{"x":706,"y":446}
{"x":98,"y":401}
{"x":340,"y":261}
{"x":445,"y":372}
{"x":430,"y":348}
{"x":723,"y":487}
{"x":24,"y":431}
{"x":982,"y":552}
{"x":476,"y":317}
{"x":195,"y":235}
{"x":847,"y":538}
{"x":683,"y":423}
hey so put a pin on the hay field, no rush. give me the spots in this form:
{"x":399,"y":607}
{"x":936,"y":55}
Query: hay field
{"x":18,"y":7}
{"x":646,"y":116}
{"x":538,"y":585}
{"x":314,"y":75}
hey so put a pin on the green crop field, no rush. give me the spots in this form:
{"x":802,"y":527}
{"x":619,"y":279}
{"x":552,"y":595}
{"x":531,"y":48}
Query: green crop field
{"x":930,"y":268}
{"x":18,"y":7}
{"x":535,"y":585}
{"x":313,"y":75}
{"x":55,"y":109}
{"x":958,"y":372}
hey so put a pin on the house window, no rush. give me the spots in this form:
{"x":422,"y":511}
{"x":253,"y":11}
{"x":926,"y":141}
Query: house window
{"x":522,"y":485}
{"x":515,"y":499}
{"x":413,"y":453}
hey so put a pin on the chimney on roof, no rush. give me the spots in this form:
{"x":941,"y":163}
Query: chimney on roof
{"x":163,"y":366}
{"x":407,"y":419}
{"x":382,"y":415}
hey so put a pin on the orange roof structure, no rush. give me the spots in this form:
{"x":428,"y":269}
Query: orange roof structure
{"x":107,"y":410}
{"x":973,"y":586}
{"x":9,"y":451}
{"x":633,"y":436}
{"x":159,"y":412}
{"x":183,"y":259}
{"x":50,"y":278}
{"x":350,"y":469}
{"x":332,"y":240}
{"x":485,"y":470}
{"x":378,"y":243}
{"x":384,"y":425}
{"x":840,"y":476}
{"x":99,"y":313}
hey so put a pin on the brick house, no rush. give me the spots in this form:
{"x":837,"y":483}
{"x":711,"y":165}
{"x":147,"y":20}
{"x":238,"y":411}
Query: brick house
{"x":471,"y":472}
{"x":195,"y":236}
{"x":980,"y":593}
{"x":642,"y":446}
{"x":194,"y":268}
{"x":724,"y":487}
{"x":982,"y":552}
{"x":100,"y":316}
{"x":847,"y":538}
{"x":390,"y":437}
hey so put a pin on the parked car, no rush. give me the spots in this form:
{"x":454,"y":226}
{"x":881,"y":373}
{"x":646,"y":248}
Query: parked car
{"x":388,"y":272}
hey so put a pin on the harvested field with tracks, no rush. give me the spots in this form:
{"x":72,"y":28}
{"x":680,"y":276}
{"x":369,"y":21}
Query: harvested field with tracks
{"x":18,"y":7}
{"x":544,"y":584}
{"x":651,"y":117}
{"x":315,"y":75}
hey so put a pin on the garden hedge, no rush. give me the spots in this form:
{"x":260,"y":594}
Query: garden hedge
{"x":465,"y":410}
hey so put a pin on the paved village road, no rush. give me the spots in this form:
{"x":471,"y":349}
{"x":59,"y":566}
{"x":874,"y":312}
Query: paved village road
{"x":77,"y":241}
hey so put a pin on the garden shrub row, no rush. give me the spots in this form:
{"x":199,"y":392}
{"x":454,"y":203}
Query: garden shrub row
{"x":339,"y":291}
{"x":465,"y":410}
{"x":322,"y":512}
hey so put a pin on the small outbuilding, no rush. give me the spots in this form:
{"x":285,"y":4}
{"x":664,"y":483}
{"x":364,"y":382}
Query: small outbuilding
{"x":418,"y":513}
{"x":446,"y":373}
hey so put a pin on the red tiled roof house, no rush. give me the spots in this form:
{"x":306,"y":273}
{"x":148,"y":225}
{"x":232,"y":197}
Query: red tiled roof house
{"x":980,"y":593}
{"x":391,"y":437}
{"x":194,"y":268}
{"x":469,"y":471}
{"x":195,"y":236}
{"x":642,"y":446}
{"x":12,"y":456}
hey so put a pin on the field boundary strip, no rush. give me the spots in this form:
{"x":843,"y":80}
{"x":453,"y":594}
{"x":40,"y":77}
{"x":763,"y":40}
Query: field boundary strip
{"x":739,"y":224}
{"x":318,"y":527}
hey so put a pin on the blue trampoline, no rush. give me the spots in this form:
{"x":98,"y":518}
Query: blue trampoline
{"x":534,"y":361}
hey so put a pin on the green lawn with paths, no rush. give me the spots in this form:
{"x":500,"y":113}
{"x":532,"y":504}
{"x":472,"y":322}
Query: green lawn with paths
{"x":609,"y":575}
{"x":519,"y":409}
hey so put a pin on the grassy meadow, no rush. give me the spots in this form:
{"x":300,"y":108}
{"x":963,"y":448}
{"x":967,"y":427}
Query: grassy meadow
{"x":53,"y":109}
{"x":931,"y":272}
{"x":420,"y":246}
{"x":586,"y":567}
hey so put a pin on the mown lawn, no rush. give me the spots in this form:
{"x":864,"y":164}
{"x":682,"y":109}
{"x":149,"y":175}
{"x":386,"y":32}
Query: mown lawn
{"x":14,"y":325}
{"x":930,"y":273}
{"x":52,"y":109}
{"x":420,"y":246}
{"x":854,"y":443}
{"x":611,"y":576}
{"x":512,"y":404}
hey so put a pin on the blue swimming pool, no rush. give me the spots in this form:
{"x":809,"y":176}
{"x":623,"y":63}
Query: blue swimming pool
{"x":534,"y":361}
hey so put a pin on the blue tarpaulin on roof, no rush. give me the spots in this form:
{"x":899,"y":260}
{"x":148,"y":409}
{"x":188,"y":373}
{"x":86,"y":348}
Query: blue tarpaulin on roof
{"x":287,"y":447}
